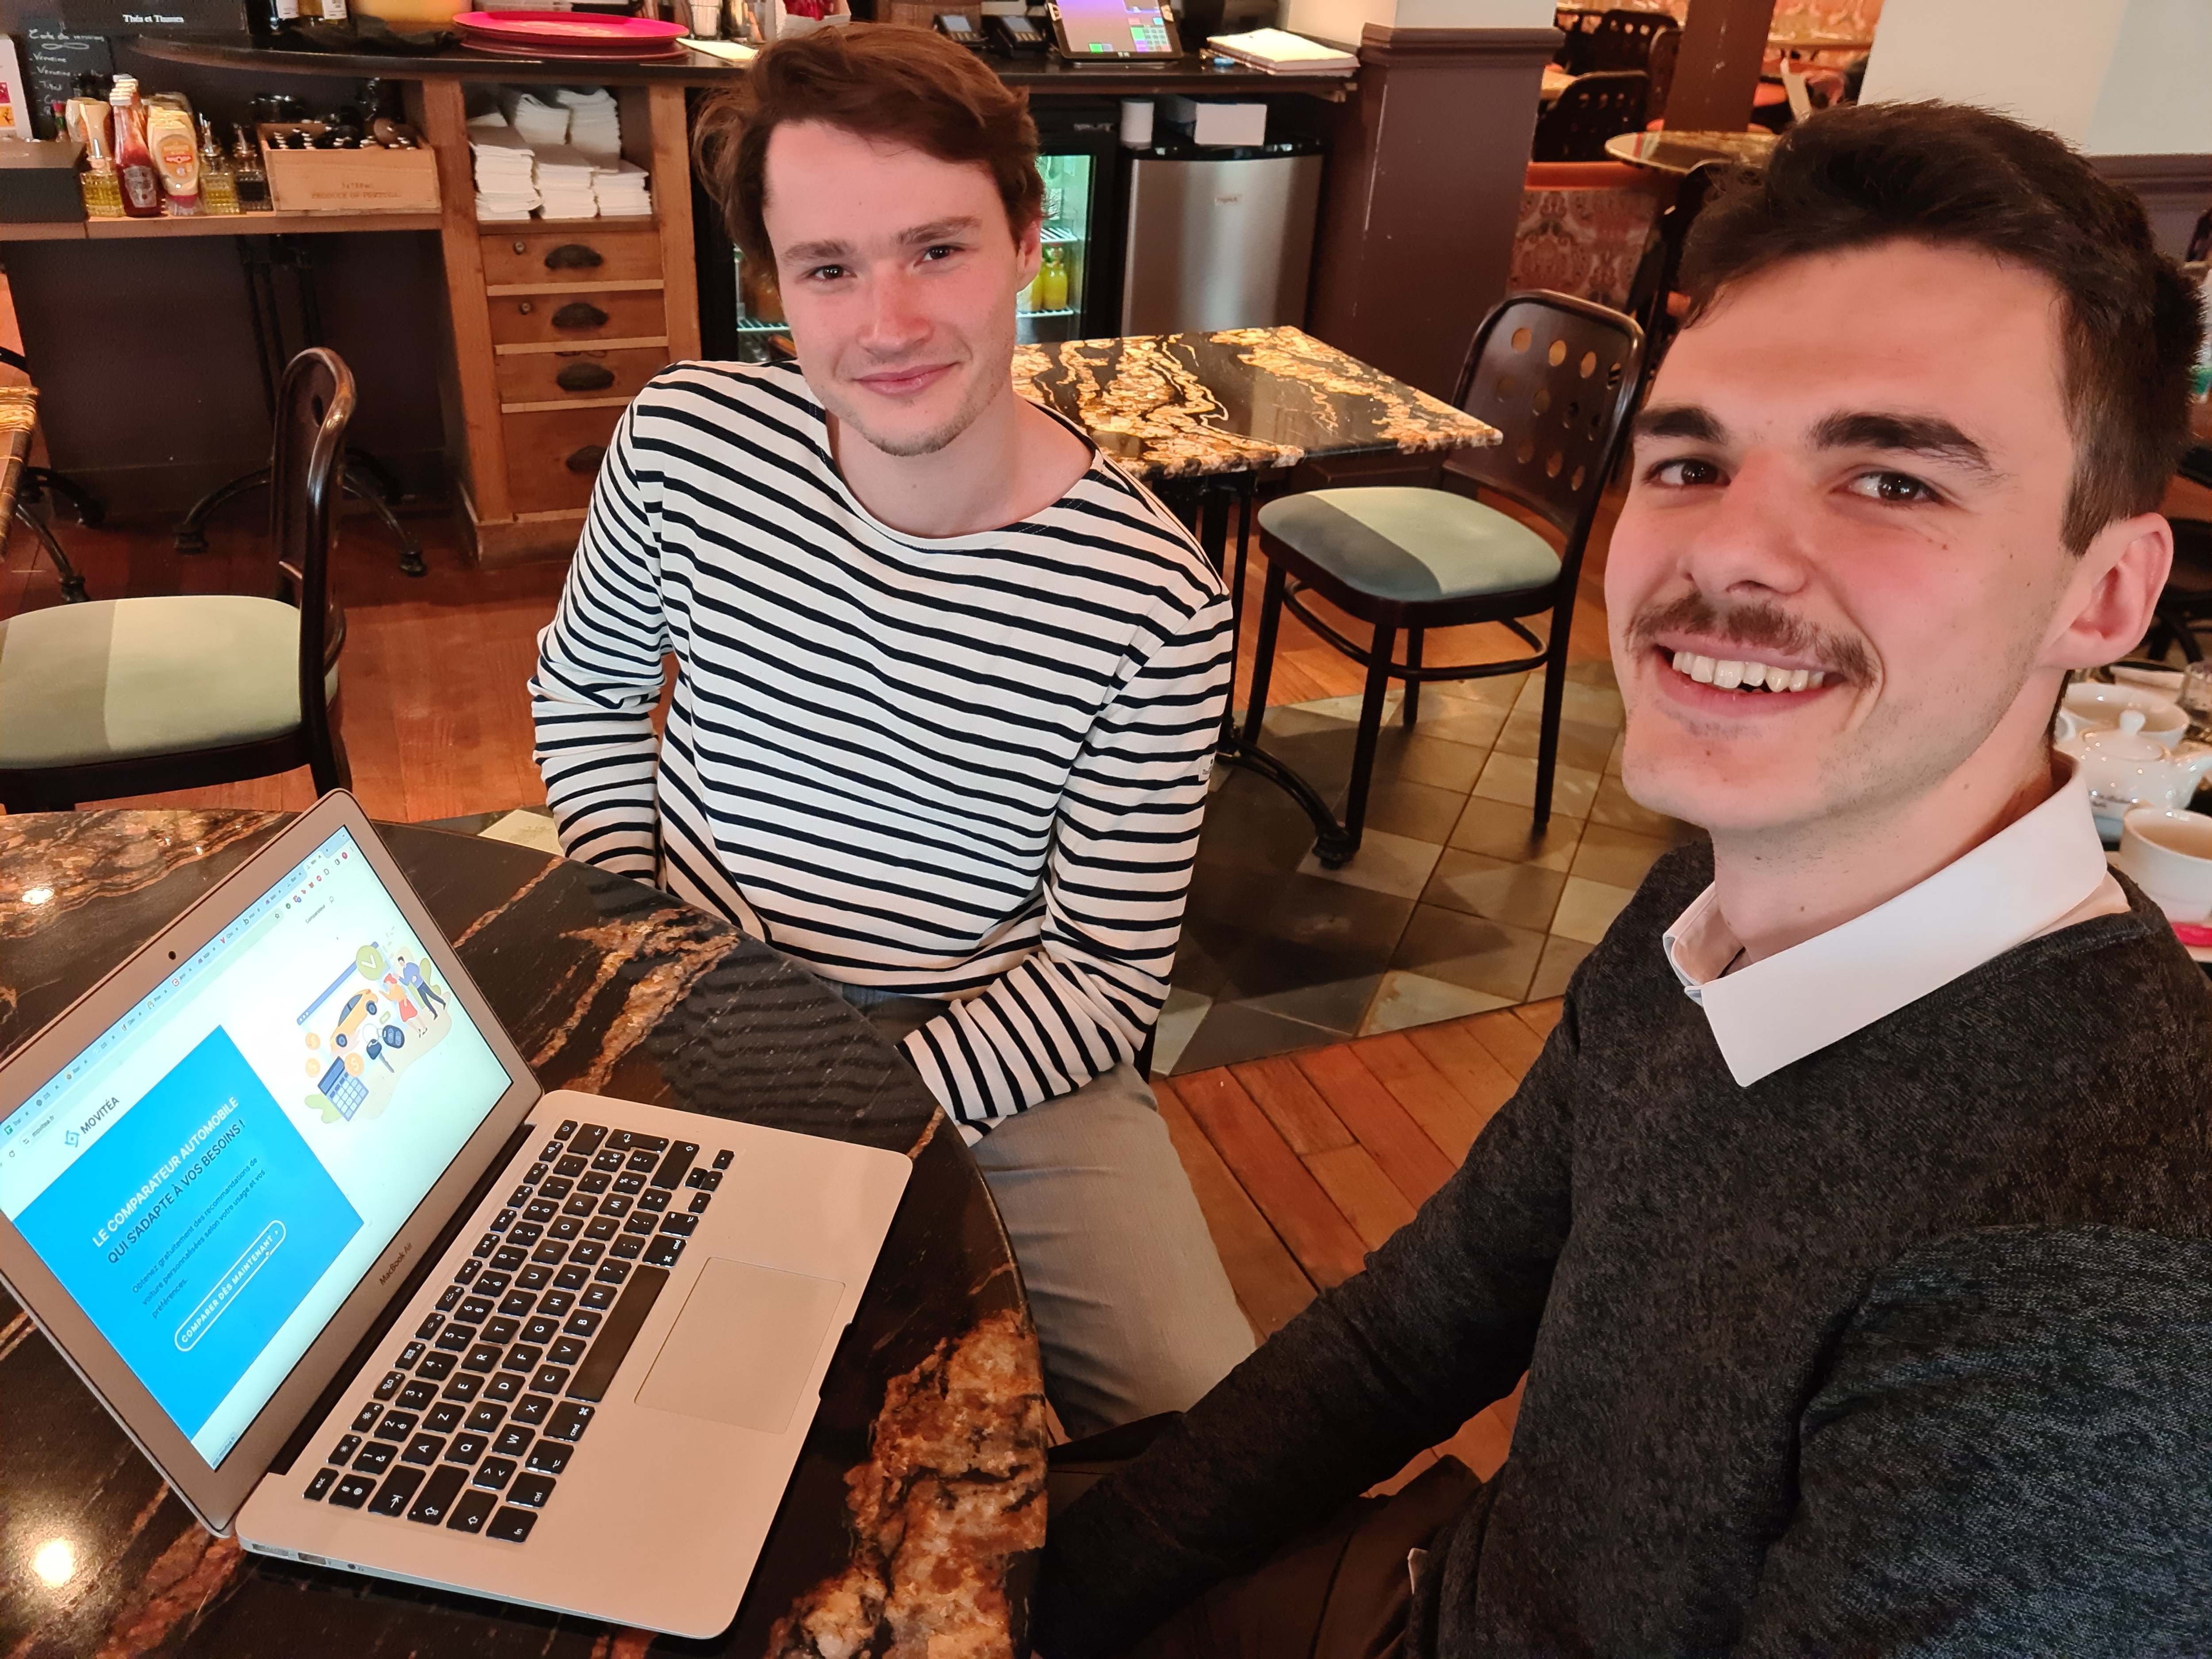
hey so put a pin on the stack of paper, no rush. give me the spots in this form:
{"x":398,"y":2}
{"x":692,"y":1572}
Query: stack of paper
{"x":621,"y":190}
{"x":506,"y":186}
{"x":539,"y":122}
{"x":564,"y":182}
{"x":1280,"y":53}
{"x":593,"y":126}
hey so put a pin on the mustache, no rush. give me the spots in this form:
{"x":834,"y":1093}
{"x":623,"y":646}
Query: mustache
{"x":1766,"y":626}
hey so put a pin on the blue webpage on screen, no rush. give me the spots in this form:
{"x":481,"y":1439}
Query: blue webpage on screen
{"x":190,"y":1231}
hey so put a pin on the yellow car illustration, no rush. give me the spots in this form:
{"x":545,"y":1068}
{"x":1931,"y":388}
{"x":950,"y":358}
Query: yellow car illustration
{"x":358,"y":1008}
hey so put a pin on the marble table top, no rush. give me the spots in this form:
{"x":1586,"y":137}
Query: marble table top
{"x":1243,"y":400}
{"x":912,"y":1521}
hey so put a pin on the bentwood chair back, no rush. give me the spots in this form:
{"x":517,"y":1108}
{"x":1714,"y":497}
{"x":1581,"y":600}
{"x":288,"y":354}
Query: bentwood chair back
{"x":1557,"y":376}
{"x":1592,"y":108}
{"x":143,"y":696}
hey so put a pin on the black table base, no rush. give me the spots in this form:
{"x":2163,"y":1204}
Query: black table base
{"x":1212,"y":507}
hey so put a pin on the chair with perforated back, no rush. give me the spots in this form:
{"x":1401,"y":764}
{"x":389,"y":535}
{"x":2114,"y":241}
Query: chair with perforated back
{"x":1592,"y":109}
{"x":1557,"y":376}
{"x":143,"y":696}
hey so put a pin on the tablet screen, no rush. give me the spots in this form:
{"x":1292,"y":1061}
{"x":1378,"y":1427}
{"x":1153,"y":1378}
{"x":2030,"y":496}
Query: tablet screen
{"x":211,"y":1178}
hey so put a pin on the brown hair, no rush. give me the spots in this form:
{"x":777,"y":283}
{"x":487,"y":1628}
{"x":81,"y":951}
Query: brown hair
{"x":882,"y":81}
{"x":1958,"y":177}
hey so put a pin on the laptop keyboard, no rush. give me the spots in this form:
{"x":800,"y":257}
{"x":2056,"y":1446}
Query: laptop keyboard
{"x":474,"y":1422}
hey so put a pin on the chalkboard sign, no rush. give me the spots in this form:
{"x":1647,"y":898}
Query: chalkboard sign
{"x":52,"y":60}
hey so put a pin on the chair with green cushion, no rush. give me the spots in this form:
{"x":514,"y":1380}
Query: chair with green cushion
{"x":1557,"y":376}
{"x":143,"y":696}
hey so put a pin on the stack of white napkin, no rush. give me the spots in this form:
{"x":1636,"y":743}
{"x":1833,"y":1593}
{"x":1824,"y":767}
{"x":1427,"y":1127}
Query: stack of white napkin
{"x":539,"y":121}
{"x":621,"y":190}
{"x":594,"y":127}
{"x":506,"y":186}
{"x":564,"y":182}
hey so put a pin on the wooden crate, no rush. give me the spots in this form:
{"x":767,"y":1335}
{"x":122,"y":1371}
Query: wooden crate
{"x":366,"y":180}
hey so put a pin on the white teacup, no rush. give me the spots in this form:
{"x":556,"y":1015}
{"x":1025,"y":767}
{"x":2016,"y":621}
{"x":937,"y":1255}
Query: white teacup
{"x":2168,"y":854}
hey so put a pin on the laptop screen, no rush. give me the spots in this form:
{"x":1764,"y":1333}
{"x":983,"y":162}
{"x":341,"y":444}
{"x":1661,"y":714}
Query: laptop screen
{"x":211,"y":1177}
{"x":1115,"y":28}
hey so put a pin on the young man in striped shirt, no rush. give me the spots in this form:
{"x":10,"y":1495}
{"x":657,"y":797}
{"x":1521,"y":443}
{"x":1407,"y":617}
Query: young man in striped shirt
{"x":947,"y":682}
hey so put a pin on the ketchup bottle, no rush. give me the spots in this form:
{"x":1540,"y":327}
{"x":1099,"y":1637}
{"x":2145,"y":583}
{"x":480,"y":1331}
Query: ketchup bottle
{"x":134,"y":162}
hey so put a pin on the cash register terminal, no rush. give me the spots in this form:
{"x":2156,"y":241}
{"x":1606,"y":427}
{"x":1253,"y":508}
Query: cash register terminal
{"x":1113,"y":31}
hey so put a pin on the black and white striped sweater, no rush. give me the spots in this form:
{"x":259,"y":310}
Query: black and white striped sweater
{"x":971,"y":769}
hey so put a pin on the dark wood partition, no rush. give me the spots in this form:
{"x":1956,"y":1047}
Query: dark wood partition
{"x":1425,"y":170}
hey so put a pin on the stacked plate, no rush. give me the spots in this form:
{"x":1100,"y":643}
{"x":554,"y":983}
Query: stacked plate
{"x":567,"y":34}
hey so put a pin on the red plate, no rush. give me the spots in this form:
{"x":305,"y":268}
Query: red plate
{"x":573,"y":30}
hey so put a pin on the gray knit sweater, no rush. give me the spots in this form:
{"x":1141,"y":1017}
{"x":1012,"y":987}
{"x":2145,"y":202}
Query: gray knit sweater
{"x":1905,"y":1349}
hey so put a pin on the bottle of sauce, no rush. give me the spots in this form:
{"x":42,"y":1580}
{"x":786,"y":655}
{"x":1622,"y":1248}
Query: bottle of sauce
{"x":218,"y":189}
{"x":176,"y":152}
{"x":134,"y":162}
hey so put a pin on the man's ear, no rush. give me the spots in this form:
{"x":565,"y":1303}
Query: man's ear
{"x":2114,"y":593}
{"x":1029,"y":251}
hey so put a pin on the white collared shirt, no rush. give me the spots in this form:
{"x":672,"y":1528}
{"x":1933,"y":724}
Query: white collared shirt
{"x":2043,"y":871}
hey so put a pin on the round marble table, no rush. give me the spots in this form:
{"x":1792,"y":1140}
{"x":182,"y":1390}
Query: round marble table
{"x":918,"y":1503}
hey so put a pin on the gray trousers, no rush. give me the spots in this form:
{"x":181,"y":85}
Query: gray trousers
{"x":1133,"y":1310}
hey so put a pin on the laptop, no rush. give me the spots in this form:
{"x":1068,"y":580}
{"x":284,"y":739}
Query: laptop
{"x":289,"y":1202}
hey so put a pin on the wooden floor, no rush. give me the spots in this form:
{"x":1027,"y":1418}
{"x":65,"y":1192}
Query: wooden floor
{"x":1304,"y":1163}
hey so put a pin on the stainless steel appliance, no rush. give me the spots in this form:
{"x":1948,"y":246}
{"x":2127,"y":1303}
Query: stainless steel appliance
{"x":1219,"y":237}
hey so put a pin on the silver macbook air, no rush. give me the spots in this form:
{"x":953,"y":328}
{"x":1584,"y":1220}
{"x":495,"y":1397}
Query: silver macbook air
{"x":222,"y":1170}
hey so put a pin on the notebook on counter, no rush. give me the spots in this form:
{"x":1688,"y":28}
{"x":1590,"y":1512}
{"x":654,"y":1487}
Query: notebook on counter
{"x":223,"y":1170}
{"x":1280,"y":53}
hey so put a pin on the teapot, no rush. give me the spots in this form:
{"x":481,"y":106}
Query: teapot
{"x":2121,"y":768}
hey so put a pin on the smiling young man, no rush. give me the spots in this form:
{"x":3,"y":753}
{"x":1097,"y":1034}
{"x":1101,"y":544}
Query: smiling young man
{"x":947,"y":682}
{"x":1854,"y":1229}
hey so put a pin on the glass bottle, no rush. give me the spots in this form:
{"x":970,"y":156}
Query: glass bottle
{"x":218,"y":189}
{"x":249,"y":179}
{"x":134,"y":162}
{"x":103,"y":191}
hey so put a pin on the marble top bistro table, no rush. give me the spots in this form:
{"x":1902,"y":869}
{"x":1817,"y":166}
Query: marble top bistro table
{"x":1209,"y":420}
{"x":917,"y":1502}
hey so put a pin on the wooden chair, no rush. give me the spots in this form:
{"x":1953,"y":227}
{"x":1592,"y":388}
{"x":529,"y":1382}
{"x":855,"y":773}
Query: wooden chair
{"x":136,"y":696}
{"x":1644,"y":41}
{"x":1592,"y":108}
{"x":1557,"y":376}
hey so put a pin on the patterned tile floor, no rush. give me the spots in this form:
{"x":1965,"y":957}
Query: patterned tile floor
{"x":1451,"y":907}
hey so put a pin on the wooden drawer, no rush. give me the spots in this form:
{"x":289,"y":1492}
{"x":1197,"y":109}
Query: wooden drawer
{"x":552,"y":319}
{"x":571,"y":256}
{"x":569,"y":377}
{"x":553,"y":455}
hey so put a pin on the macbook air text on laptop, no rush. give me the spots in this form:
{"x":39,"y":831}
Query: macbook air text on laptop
{"x":222,"y":1166}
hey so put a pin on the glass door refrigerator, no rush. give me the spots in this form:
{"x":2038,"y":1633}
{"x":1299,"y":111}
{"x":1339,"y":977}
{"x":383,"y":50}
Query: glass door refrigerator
{"x":1076,"y":296}
{"x":1076,"y":292}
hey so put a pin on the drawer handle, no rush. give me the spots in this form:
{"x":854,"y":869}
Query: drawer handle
{"x":579,"y":313}
{"x":587,"y":459}
{"x":522,"y":247}
{"x":574,"y":256}
{"x":585,"y":377}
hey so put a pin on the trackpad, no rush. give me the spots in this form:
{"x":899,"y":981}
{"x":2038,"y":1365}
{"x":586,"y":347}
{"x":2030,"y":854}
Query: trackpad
{"x":743,"y":1347}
